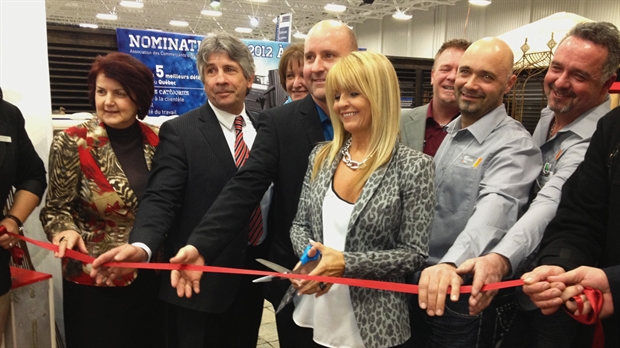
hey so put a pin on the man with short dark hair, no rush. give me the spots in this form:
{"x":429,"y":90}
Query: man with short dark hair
{"x":581,"y":72}
{"x":423,"y":128}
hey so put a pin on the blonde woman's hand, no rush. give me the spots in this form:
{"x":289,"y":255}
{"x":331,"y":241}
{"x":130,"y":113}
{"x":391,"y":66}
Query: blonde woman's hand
{"x":331,"y":264}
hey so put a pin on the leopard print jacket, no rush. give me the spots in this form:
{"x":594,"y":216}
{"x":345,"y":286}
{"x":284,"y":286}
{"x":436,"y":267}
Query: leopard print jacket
{"x":387,"y":237}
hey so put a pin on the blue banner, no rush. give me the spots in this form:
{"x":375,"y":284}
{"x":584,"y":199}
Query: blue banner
{"x":172,"y":59}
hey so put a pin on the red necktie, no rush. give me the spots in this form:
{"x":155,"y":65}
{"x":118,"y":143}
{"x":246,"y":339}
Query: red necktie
{"x":241,"y":154}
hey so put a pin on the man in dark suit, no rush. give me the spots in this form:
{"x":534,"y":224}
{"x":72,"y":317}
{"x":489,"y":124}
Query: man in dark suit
{"x":197,"y":155}
{"x":286,"y":135}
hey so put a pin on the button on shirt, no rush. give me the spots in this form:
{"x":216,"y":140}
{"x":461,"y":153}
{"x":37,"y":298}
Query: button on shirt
{"x":561,"y":156}
{"x":483,"y":177}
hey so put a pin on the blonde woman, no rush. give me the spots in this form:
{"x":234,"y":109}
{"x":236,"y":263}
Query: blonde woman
{"x":368,"y":203}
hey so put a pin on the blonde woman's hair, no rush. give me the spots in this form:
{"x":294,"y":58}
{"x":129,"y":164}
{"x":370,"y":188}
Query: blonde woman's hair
{"x":372,"y":75}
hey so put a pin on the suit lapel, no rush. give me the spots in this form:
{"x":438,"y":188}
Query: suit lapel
{"x":212,"y":131}
{"x":311,"y":120}
{"x":414,"y":127}
{"x":368,"y":192}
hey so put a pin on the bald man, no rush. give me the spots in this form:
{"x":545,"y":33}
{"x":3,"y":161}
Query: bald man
{"x":285,"y":137}
{"x":484,"y":170}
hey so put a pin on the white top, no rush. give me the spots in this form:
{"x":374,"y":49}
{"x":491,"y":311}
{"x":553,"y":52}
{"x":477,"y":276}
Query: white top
{"x":331,"y":315}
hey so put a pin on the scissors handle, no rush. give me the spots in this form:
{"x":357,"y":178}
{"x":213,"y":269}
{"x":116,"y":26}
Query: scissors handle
{"x":305,"y":258}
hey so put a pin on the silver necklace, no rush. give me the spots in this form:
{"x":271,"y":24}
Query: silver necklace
{"x":346,"y":157}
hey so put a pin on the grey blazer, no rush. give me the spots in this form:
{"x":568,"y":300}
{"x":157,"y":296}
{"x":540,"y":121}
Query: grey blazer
{"x":413,"y":126}
{"x":387,"y":237}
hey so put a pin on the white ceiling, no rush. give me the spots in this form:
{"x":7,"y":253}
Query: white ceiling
{"x":156,"y":14}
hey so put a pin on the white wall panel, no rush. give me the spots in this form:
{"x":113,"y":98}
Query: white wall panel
{"x":369,"y":34}
{"x":423,"y":35}
{"x":402,"y":31}
{"x":607,"y":10}
{"x":542,"y":9}
{"x":423,"y":39}
{"x":503,"y":16}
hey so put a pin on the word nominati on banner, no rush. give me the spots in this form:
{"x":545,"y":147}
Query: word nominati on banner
{"x":163,"y":43}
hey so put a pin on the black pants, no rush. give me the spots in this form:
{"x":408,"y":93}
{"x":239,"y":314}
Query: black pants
{"x":236,"y":327}
{"x":536,"y":330}
{"x":127,"y":316}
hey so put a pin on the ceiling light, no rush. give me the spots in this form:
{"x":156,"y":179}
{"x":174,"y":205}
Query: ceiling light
{"x":335,"y":8}
{"x":253,"y":21}
{"x":88,"y":25}
{"x":107,"y":16}
{"x":243,"y":30}
{"x":132,"y":4}
{"x":401,"y":15}
{"x":212,"y":13}
{"x":480,"y":2}
{"x":215,"y":3}
{"x":299,"y":35}
{"x":179,"y":23}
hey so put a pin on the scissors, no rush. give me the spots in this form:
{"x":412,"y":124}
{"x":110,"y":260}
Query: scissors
{"x":281,"y":269}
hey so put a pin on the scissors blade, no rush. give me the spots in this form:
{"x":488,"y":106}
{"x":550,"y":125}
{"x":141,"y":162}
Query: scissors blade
{"x":266,"y":279}
{"x":274,"y":266}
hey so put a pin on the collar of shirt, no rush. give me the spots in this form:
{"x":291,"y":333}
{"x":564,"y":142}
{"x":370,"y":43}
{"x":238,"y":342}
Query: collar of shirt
{"x":481,"y":128}
{"x":326,"y":124}
{"x":429,"y":111}
{"x":431,"y":121}
{"x":322,"y":115}
{"x":584,"y":125}
{"x":227,"y":119}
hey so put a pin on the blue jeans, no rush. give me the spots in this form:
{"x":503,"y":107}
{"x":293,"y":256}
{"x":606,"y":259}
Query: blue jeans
{"x":456,"y":328}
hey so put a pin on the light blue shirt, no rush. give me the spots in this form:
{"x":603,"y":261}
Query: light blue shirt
{"x":483,"y":177}
{"x":561,"y":156}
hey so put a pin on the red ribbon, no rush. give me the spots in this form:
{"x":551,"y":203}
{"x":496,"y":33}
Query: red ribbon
{"x":595,"y":297}
{"x":371,"y":284}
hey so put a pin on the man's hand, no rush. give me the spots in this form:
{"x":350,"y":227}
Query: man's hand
{"x":123,"y":253}
{"x":186,"y":281}
{"x":486,"y":269}
{"x":580,"y":278}
{"x":331,"y":264}
{"x":546,"y":295}
{"x":433,"y":287}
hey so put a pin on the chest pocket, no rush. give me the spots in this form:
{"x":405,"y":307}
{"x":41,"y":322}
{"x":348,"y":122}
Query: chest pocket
{"x":458,"y":188}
